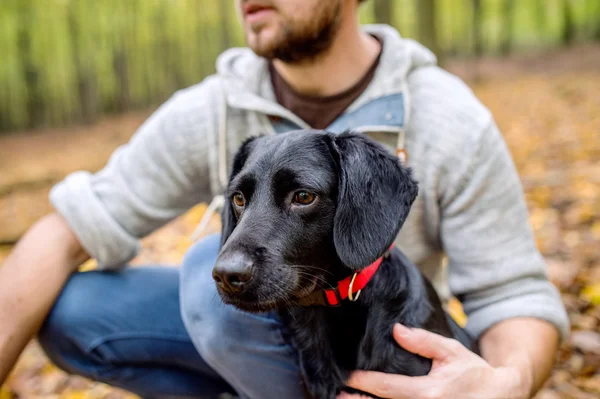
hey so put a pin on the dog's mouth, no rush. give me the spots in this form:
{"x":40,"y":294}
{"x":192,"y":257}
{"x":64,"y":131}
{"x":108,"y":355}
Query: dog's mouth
{"x":252,"y":306}
{"x":273,"y":295}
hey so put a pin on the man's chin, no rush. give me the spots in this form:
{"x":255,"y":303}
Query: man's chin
{"x":263,"y":43}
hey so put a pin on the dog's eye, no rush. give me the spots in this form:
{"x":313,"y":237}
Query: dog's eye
{"x":239,"y":200}
{"x":304,"y":198}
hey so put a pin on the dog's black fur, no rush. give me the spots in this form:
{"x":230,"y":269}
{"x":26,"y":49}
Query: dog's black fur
{"x":363,"y":196}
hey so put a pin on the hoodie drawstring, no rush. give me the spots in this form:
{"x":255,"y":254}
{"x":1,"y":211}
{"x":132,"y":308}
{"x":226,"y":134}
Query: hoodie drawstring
{"x":218,"y":201}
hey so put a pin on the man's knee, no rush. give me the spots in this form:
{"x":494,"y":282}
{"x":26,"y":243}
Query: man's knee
{"x":69,"y":322}
{"x":219,"y":331}
{"x":200,"y":303}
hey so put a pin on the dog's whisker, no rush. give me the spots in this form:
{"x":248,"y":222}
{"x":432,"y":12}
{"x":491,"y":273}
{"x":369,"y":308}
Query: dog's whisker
{"x":285,"y":297}
{"x":319,"y":278}
{"x":311,"y":267}
{"x":305,"y":273}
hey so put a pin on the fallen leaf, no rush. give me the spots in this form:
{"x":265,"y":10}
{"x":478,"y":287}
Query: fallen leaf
{"x":76,"y":395}
{"x":583,"y":322}
{"x":576,"y":363}
{"x":592,"y":293}
{"x":4,"y":394}
{"x":455,"y":310}
{"x":547,"y":394}
{"x":586,"y":341}
{"x":591,"y":384}
{"x":561,"y":273}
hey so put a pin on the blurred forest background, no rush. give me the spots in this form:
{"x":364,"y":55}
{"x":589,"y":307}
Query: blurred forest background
{"x":66,"y":61}
{"x":77,"y":77}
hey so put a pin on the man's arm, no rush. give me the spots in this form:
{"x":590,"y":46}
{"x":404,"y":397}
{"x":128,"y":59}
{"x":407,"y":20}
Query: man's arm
{"x":162,"y":172}
{"x":31,"y":279}
{"x":527,"y":345}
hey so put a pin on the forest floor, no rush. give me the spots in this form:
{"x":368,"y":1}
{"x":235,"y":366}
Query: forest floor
{"x":548,"y":108}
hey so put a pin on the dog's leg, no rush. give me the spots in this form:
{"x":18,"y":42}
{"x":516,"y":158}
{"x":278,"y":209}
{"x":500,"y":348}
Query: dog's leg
{"x":322,"y":377}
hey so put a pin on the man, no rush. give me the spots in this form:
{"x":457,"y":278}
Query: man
{"x":310,"y":64}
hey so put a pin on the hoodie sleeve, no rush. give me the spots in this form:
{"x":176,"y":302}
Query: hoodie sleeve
{"x":162,"y":172}
{"x":476,"y":209}
{"x":495,"y":268}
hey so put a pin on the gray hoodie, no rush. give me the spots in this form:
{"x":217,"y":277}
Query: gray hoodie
{"x":468,"y":230}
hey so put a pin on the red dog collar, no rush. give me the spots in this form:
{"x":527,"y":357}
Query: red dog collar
{"x":350,"y":287}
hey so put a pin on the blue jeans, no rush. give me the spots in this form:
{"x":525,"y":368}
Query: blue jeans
{"x":163,"y":332}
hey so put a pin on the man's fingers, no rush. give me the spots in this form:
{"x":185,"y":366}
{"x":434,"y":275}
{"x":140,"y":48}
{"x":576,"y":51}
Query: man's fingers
{"x":415,"y":340}
{"x":386,"y":385}
{"x":425,"y":343}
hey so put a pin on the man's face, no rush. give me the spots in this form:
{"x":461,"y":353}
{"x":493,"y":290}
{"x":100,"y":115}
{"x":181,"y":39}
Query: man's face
{"x":289,"y":30}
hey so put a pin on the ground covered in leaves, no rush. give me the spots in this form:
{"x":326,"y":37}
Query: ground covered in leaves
{"x":548,"y":109}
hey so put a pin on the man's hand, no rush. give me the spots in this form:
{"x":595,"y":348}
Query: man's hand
{"x":456,"y":373}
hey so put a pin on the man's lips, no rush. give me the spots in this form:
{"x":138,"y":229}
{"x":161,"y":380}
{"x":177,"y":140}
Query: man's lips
{"x":254,"y":12}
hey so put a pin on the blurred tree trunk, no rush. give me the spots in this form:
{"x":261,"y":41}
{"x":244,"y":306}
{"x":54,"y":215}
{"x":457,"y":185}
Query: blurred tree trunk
{"x":427,"y":26}
{"x":596,"y":20}
{"x":384,"y":11}
{"x":86,"y":82}
{"x":540,"y":17}
{"x":477,"y":23}
{"x":35,"y":106}
{"x":120,"y":70}
{"x":225,"y":12}
{"x":568,"y":24}
{"x":508,"y":14}
{"x":593,"y":13}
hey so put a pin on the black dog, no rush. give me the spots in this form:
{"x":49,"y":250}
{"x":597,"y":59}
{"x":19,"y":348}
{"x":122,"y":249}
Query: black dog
{"x":306,"y":212}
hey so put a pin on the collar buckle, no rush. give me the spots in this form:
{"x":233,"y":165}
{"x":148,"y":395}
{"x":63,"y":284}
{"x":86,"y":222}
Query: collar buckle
{"x":351,"y":296}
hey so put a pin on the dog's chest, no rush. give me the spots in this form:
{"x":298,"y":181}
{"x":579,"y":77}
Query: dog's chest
{"x":338,"y":331}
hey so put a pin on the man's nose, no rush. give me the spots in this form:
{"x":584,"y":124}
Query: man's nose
{"x":233,"y":272}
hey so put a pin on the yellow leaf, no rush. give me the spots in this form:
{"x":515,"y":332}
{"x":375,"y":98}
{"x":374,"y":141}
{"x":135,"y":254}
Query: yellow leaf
{"x":455,"y":310}
{"x":194,"y":215}
{"x":596,"y":230}
{"x":4,"y":394}
{"x":182,"y":245}
{"x":592,"y":293}
{"x":91,"y":264}
{"x":4,"y":252}
{"x":75,"y":395}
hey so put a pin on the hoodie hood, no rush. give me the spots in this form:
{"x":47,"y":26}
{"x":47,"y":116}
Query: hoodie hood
{"x":247,"y":83}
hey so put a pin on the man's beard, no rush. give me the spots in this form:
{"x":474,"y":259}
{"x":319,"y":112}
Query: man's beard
{"x":301,"y":43}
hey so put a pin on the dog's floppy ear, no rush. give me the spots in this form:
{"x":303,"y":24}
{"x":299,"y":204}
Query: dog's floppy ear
{"x":374,"y":197}
{"x":228,"y":218}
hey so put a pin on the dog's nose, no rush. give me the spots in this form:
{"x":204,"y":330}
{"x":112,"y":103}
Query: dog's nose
{"x":232,"y":273}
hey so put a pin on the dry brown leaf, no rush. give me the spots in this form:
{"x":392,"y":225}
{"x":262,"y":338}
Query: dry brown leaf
{"x":591,"y":384}
{"x":586,"y":341}
{"x":562,"y":273}
{"x":547,"y":394}
{"x":583,"y":321}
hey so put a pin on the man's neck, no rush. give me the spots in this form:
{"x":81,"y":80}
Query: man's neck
{"x":341,"y":66}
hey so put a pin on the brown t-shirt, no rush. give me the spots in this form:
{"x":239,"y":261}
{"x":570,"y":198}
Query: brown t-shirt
{"x":318,"y":112}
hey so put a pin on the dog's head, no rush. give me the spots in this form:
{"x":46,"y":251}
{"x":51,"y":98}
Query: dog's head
{"x":302,"y":205}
